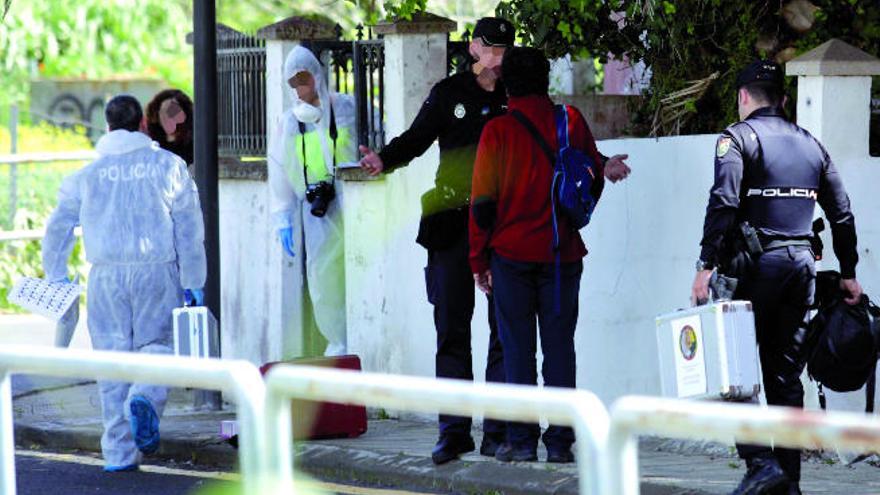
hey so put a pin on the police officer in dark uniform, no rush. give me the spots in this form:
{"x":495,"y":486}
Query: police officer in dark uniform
{"x":454,"y":113}
{"x":770,"y":173}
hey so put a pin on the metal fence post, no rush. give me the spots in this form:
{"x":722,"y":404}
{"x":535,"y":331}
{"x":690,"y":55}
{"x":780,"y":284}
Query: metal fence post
{"x":254,"y":437}
{"x":591,"y":420}
{"x":13,"y":168}
{"x":279,"y":437}
{"x":622,"y":457}
{"x":7,"y":436}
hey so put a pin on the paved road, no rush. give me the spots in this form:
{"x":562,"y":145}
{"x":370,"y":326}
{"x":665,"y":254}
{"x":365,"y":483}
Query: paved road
{"x":38,"y":473}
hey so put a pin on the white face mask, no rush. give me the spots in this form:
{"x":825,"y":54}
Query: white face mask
{"x":307,"y":114}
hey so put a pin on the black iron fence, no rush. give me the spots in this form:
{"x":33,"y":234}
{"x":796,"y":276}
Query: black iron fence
{"x":458,"y":57}
{"x":369,"y":89}
{"x":241,"y":95}
{"x":354,"y":67}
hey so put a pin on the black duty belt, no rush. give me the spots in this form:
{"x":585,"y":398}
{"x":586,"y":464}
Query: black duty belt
{"x":772,"y":244}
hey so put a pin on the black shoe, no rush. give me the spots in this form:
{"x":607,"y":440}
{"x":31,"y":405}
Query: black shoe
{"x":793,"y":488}
{"x":490,"y":444}
{"x":449,"y":447}
{"x":560,"y":455}
{"x":508,"y":453}
{"x":763,"y":477}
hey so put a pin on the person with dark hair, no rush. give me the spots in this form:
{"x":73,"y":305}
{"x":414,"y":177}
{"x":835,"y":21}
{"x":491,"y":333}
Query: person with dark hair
{"x":169,"y":121}
{"x":144,"y":237}
{"x":512,"y":246}
{"x":771,"y":173}
{"x":123,"y":112}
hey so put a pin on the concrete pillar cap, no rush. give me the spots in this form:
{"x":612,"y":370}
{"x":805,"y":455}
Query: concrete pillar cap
{"x":834,"y":58}
{"x":299,"y":28}
{"x":421,"y":23}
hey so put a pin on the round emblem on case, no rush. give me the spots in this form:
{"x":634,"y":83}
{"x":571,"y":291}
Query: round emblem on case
{"x":687,"y":341}
{"x":459,"y":111}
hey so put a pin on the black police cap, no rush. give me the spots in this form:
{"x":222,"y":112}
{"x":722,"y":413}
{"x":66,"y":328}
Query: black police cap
{"x":494,"y":31}
{"x":760,"y":70}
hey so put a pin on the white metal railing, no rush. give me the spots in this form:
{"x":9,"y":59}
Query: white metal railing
{"x":48,"y":156}
{"x":785,"y":426}
{"x":577,"y":408}
{"x":240,"y":379}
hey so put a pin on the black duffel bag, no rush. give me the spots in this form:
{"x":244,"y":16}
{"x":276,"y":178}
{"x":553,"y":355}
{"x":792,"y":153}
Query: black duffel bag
{"x":843,"y":339}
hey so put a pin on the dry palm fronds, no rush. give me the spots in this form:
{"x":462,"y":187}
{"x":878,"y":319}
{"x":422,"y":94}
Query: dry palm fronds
{"x":674,"y":110}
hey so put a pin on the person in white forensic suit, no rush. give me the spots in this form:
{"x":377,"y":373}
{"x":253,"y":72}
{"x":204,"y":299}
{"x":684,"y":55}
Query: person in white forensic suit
{"x":311,"y":139}
{"x":144,"y":236}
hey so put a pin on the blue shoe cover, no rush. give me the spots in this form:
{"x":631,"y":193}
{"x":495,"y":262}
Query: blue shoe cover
{"x":120,"y":469}
{"x":144,"y":424}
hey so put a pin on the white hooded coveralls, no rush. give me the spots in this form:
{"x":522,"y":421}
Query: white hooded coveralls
{"x":323,"y":236}
{"x":144,"y":236}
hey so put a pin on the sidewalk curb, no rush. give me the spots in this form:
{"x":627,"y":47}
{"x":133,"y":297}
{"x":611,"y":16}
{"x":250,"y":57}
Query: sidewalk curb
{"x":459,"y":477}
{"x":66,"y":437}
{"x":346,"y":465}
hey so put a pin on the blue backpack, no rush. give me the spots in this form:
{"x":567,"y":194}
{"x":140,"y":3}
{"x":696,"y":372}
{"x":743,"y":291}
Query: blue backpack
{"x":573,"y":175}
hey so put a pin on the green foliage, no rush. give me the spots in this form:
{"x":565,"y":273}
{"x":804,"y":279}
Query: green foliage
{"x":249,"y":16}
{"x":404,"y":9}
{"x":92,"y":39}
{"x":37,"y":187}
{"x":688,"y":40}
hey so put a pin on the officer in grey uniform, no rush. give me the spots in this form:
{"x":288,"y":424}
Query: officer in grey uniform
{"x":771,"y":173}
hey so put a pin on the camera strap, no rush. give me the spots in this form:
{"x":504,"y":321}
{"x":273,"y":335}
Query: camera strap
{"x":334,"y":134}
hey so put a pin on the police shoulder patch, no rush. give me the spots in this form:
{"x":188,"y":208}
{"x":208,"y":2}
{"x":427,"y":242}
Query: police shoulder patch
{"x":723,"y":146}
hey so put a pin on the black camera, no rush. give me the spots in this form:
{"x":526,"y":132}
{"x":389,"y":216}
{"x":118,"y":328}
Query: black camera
{"x":320,"y":195}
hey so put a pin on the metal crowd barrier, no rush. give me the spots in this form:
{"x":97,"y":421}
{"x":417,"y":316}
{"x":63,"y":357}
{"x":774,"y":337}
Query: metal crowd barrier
{"x":783,"y":426}
{"x":577,"y":408}
{"x":48,"y":157}
{"x":607,"y":450}
{"x":239,"y":379}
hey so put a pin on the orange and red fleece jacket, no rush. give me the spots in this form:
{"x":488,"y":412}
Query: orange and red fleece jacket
{"x":511,"y":213}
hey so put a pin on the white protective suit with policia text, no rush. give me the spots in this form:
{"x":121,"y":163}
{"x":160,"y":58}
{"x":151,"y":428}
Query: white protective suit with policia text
{"x":309,"y":141}
{"x":144,"y":236}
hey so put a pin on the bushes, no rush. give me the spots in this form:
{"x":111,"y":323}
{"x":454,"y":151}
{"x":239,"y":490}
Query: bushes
{"x":685,"y":42}
{"x":37,"y":187}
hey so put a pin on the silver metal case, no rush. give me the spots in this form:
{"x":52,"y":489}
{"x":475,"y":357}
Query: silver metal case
{"x":195,"y":332}
{"x":709,"y":352}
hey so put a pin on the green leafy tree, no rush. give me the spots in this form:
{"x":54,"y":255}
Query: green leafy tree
{"x":693,"y":48}
{"x":93,"y":39}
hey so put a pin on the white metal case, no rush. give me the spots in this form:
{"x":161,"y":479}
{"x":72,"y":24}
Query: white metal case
{"x":709,"y":352}
{"x":195,"y":332}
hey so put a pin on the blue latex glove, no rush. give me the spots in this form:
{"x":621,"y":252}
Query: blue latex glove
{"x":194,"y":297}
{"x":285,"y":235}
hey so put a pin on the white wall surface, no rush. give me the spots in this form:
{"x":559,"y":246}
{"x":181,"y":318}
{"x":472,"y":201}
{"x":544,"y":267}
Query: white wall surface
{"x":643,"y":241}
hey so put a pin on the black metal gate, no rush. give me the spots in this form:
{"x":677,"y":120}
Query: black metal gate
{"x":241,"y":95}
{"x":355,"y":67}
{"x":369,"y":84}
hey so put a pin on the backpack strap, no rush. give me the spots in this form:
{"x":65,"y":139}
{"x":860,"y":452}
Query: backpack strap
{"x":548,"y":151}
{"x":561,"y":112}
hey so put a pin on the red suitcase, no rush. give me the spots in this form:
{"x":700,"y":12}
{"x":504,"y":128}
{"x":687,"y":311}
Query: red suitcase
{"x":313,"y":420}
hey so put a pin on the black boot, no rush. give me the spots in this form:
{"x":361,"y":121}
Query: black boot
{"x":490,"y":444}
{"x":764,"y":476}
{"x":449,"y":447}
{"x":509,"y":453}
